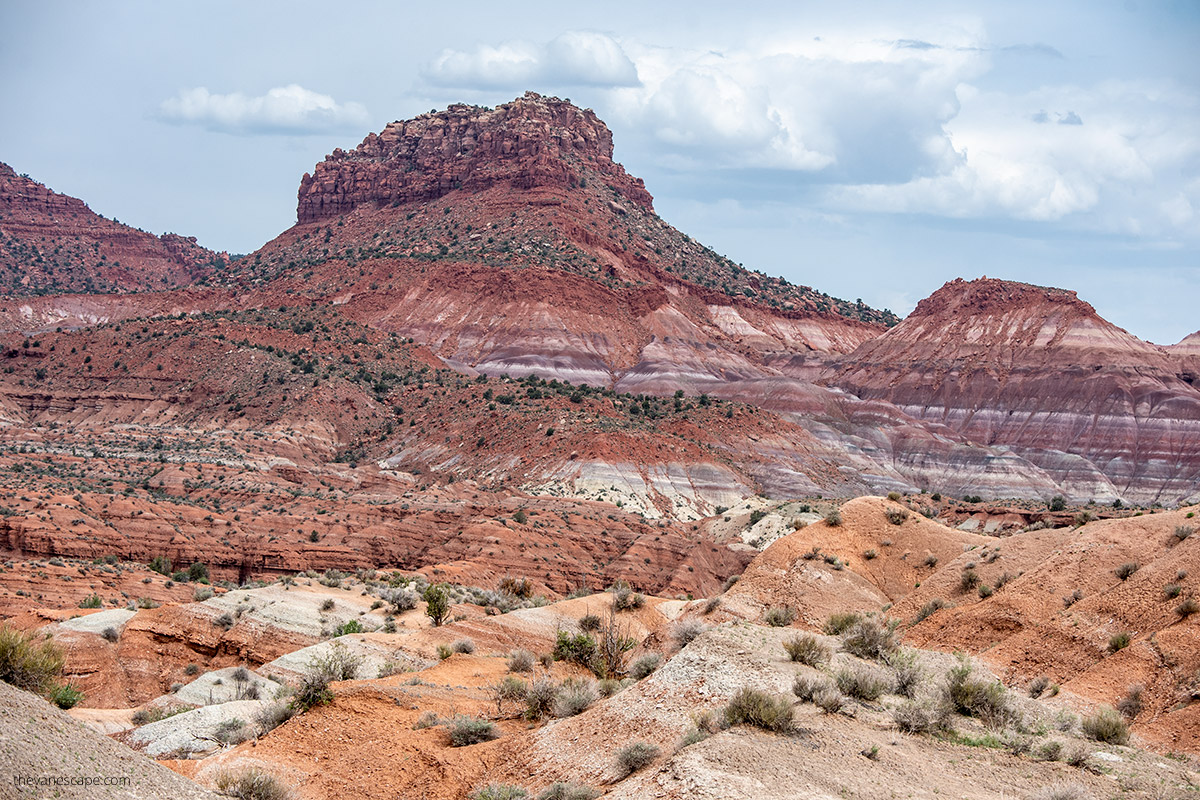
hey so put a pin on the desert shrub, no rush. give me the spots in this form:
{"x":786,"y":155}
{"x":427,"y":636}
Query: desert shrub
{"x":401,"y":599}
{"x":580,"y":649}
{"x":1038,"y":685}
{"x":272,"y":716}
{"x":589,"y":622}
{"x":91,"y":601}
{"x":251,"y":784}
{"x":930,"y":608}
{"x":1131,"y":704}
{"x":807,"y":649}
{"x":968,"y":580}
{"x":1077,"y":756}
{"x":896,"y":516}
{"x":863,"y":681}
{"x":829,"y":699}
{"x":426,"y":720}
{"x":444,"y":651}
{"x":686,"y":631}
{"x":921,"y":716}
{"x":975,"y":697}
{"x":574,"y":697}
{"x":312,"y":691}
{"x":539,"y":699}
{"x":985,"y":591}
{"x":1050,"y":751}
{"x":520,"y":661}
{"x":202,"y":593}
{"x":644,"y":665}
{"x":1126,"y":570}
{"x":1063,"y":791}
{"x":231,"y":731}
{"x":834,"y":518}
{"x":28,"y":663}
{"x":1119,"y":641}
{"x":437,"y":604}
{"x":328,"y":604}
{"x":111,"y":634}
{"x":609,"y":686}
{"x":729,"y":582}
{"x":1183,"y":531}
{"x":517,"y":587}
{"x":870,"y":555}
{"x":870,"y":638}
{"x":65,"y":695}
{"x":712,"y":605}
{"x":779,"y":616}
{"x":1106,"y":725}
{"x":465,"y":731}
{"x":753,"y":707}
{"x":931,"y":561}
{"x":907,"y":673}
{"x":806,"y":686}
{"x":1172,"y":590}
{"x":894,"y":497}
{"x":191,"y":669}
{"x":623,"y":597}
{"x":465,"y":646}
{"x":498,"y":791}
{"x":1071,"y":599}
{"x":837,"y":624}
{"x":1187,"y":607}
{"x":635,"y":756}
{"x":568,"y":791}
{"x":348,"y":627}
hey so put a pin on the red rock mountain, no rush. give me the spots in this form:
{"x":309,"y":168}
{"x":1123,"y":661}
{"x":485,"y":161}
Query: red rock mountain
{"x":1037,"y":371}
{"x":51,"y":243}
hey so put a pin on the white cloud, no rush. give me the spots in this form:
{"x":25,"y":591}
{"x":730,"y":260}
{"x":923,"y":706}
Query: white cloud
{"x":576,"y":58}
{"x":288,"y":109}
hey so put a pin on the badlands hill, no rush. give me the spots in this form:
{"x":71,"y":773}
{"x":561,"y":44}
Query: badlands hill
{"x":51,"y":243}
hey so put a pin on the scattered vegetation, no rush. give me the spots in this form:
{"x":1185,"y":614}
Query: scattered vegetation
{"x":520,"y":661}
{"x":870,"y":638}
{"x":635,"y":756}
{"x":807,"y":649}
{"x":863,"y":681}
{"x":1105,"y":725}
{"x":644,"y":665}
{"x":779,"y":616}
{"x":753,"y":707}
{"x":28,"y":661}
{"x":464,"y":731}
{"x":1126,"y":570}
{"x":251,"y":784}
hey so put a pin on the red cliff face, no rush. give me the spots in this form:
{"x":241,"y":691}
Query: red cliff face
{"x":533,"y":141}
{"x":51,"y":243}
{"x":1038,"y":371}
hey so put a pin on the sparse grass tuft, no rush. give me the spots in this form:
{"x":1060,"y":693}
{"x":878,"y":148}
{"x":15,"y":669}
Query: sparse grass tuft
{"x":465,"y":646}
{"x":779,"y":616}
{"x":1038,"y":685}
{"x":896,"y":516}
{"x":921,"y":716}
{"x":1126,"y":570}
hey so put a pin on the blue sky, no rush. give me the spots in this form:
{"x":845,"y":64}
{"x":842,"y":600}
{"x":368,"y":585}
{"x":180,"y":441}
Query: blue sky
{"x":873,"y":150}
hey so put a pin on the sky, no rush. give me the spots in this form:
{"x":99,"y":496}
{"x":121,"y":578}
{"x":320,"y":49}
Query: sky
{"x":873,"y":150}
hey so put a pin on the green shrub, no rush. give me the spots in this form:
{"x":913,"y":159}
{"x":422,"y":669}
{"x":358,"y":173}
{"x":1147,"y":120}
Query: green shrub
{"x":65,"y":695}
{"x":589,"y":622}
{"x":807,"y":649}
{"x":779,"y":616}
{"x":635,"y":756}
{"x":91,"y":601}
{"x":348,"y":627}
{"x":1119,"y":641}
{"x":580,"y":649}
{"x":465,"y":731}
{"x":1106,"y":725}
{"x":251,"y":784}
{"x":753,"y":707}
{"x":29,"y":662}
{"x":437,"y":604}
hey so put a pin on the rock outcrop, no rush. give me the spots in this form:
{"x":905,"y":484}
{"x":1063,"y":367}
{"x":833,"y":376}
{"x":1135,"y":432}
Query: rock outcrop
{"x":52,"y":243}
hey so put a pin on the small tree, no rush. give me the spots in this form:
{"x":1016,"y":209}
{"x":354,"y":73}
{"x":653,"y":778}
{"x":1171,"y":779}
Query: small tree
{"x":437,"y":604}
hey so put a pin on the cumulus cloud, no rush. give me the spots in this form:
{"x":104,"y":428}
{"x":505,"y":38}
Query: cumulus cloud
{"x":288,"y":109}
{"x":576,"y":58}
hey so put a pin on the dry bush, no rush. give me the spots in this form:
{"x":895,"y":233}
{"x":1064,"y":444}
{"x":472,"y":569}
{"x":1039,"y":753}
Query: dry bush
{"x":753,"y":707}
{"x":779,"y":616}
{"x":520,"y":661}
{"x":590,"y":622}
{"x":806,"y":686}
{"x":644,"y":665}
{"x":568,"y":791}
{"x":896,"y":516}
{"x":539,"y":699}
{"x":934,"y":605}
{"x":466,"y":731}
{"x":1063,"y":791}
{"x":272,"y":716}
{"x":834,"y":518}
{"x":974,"y":697}
{"x":1187,"y":607}
{"x":1038,"y":685}
{"x":907,"y":673}
{"x":1126,"y":570}
{"x":1183,"y":532}
{"x":829,"y":699}
{"x":870,"y":638}
{"x":1119,"y":641}
{"x":863,"y":681}
{"x":498,"y":791}
{"x":924,"y":715}
{"x":464,"y":646}
{"x":686,"y":631}
{"x":837,"y":624}
{"x":1131,"y":704}
{"x":251,"y":784}
{"x":1106,"y":725}
{"x":574,"y":696}
{"x":635,"y":756}
{"x":807,"y":649}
